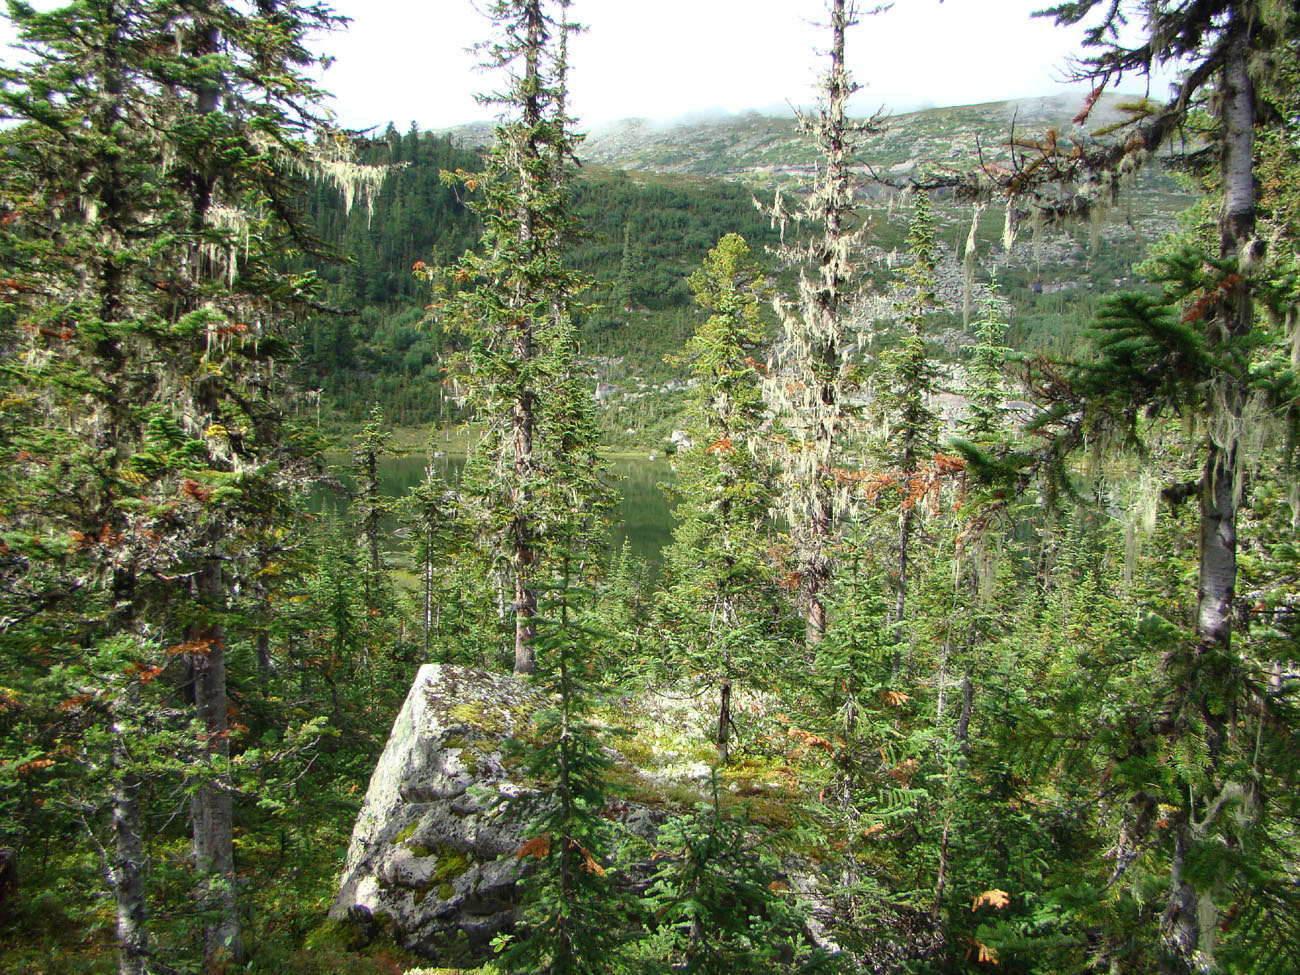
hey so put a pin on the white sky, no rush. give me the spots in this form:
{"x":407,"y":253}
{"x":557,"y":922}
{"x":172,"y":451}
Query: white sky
{"x":406,"y":60}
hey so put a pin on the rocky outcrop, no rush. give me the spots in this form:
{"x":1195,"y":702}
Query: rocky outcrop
{"x":433,"y":860}
{"x":433,"y":852}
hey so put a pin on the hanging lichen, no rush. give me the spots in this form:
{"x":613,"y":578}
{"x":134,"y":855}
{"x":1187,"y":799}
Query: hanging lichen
{"x":968,"y":264}
{"x":355,"y":182}
{"x":222,"y":253}
{"x":331,"y":159}
{"x":1009,"y":229}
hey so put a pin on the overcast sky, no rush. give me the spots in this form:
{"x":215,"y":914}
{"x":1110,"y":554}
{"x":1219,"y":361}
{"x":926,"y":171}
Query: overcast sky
{"x":406,"y":60}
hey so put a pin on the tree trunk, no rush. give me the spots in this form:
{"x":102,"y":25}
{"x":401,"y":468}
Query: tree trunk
{"x":941,"y":878}
{"x":963,"y":722}
{"x":127,"y":866}
{"x":815,"y":578}
{"x":900,"y":584}
{"x":374,"y":509}
{"x":428,"y":593}
{"x":724,"y":720}
{"x":524,"y":418}
{"x":263,"y":654}
{"x":1198,"y":680}
{"x":211,"y":803}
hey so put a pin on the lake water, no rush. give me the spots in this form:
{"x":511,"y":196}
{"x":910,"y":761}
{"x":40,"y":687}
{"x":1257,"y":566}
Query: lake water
{"x":643,"y":515}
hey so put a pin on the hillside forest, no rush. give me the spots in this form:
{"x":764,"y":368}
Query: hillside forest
{"x":979,"y":617}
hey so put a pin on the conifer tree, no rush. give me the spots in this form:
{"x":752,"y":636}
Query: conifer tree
{"x":572,"y":904}
{"x":811,"y":374}
{"x":81,"y":303}
{"x":1193,"y":351}
{"x":909,"y":384}
{"x":428,"y":512}
{"x":179,"y":132}
{"x":514,"y":299}
{"x":373,"y":443}
{"x":719,"y":595}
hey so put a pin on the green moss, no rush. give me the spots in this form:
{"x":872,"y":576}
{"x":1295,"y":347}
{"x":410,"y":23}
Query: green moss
{"x":333,"y":936}
{"x":479,"y":716}
{"x":636,"y":750}
{"x":771,"y":809}
{"x":407,"y":832}
{"x":488,"y":719}
{"x":628,"y":784}
{"x":451,"y":864}
{"x":339,"y":946}
{"x":472,"y":751}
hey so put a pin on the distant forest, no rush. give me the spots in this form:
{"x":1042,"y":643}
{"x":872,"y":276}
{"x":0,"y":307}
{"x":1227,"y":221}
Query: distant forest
{"x":639,"y":235}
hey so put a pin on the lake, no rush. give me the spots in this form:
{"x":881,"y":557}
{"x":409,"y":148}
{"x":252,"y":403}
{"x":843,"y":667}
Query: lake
{"x":642,"y":515}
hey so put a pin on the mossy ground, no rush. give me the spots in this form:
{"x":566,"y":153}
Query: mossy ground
{"x":667,"y":762}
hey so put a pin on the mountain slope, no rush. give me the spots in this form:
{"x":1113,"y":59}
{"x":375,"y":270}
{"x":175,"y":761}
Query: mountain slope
{"x":758,"y":148}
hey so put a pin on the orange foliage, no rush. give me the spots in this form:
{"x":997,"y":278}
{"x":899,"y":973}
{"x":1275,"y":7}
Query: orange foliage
{"x":538,"y":846}
{"x":984,"y":954}
{"x":809,"y":739}
{"x":142,"y":673}
{"x":1088,"y":104}
{"x":195,"y":490}
{"x":1203,"y":304}
{"x":993,"y":898}
{"x":902,"y":773}
{"x":589,"y":863}
{"x":201,"y":647}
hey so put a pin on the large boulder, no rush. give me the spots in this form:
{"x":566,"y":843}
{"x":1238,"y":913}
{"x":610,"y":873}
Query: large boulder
{"x":433,"y":853}
{"x":433,"y":860}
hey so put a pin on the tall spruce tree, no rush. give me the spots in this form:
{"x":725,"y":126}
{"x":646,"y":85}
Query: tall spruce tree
{"x":904,"y":399}
{"x":179,"y":133}
{"x":721,"y":603}
{"x":513,"y":300}
{"x":811,"y":374}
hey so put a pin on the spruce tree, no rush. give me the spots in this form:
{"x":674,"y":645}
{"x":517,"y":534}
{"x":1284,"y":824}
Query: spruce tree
{"x":373,"y":443}
{"x":513,"y":302}
{"x":180,"y":133}
{"x":574,"y":908}
{"x":722,"y":606}
{"x":908,"y":384}
{"x":1193,"y":351}
{"x":811,"y":376}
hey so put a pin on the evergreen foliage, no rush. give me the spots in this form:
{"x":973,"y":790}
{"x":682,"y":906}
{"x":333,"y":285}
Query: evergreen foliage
{"x":513,"y":303}
{"x":571,"y":892}
{"x":812,"y":376}
{"x":723,"y":612}
{"x":717,"y":903}
{"x":1044,"y":713}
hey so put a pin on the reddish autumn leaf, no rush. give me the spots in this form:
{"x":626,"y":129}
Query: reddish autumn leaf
{"x":993,"y":898}
{"x":538,"y":846}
